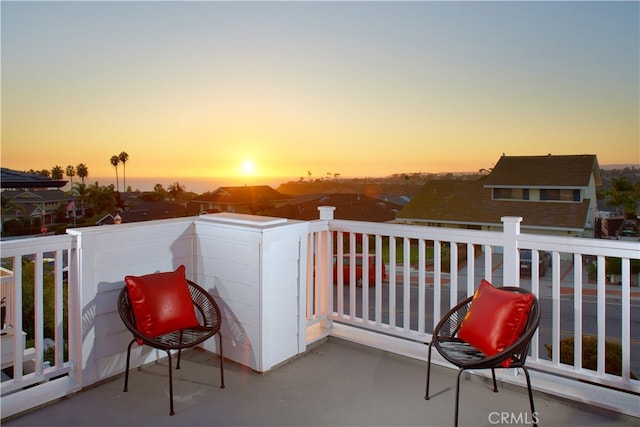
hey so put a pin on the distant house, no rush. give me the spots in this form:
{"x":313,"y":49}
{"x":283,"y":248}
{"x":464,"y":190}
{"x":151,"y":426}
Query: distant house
{"x":31,"y":196}
{"x":246,"y":199}
{"x":41,"y":204}
{"x":356,"y":207}
{"x":553,"y":194}
{"x":145,"y":211}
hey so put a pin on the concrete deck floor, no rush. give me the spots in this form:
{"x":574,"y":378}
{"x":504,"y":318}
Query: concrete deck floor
{"x":337,"y":383}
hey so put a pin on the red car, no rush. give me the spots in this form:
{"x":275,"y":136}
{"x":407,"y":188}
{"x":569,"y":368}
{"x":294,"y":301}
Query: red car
{"x":346,"y":269}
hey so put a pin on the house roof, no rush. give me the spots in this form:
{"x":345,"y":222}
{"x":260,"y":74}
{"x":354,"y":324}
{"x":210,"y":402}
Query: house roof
{"x":241,"y":195}
{"x":544,"y":171}
{"x":146,"y":211}
{"x":35,"y":202}
{"x":470,"y":202}
{"x":356,"y":207}
{"x":15,"y":179}
{"x":36,"y":196}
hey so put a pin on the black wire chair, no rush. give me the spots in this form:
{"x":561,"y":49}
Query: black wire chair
{"x":465,"y":356}
{"x":207,"y":312}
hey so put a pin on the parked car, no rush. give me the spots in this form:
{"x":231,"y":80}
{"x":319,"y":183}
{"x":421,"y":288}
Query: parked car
{"x":346,"y":269}
{"x":544,"y":262}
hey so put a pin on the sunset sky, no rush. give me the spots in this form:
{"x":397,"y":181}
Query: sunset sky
{"x":192,"y":89}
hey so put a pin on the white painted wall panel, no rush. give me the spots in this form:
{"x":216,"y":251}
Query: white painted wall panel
{"x":107,"y":254}
{"x":284,"y":309}
{"x":106,"y":302}
{"x":235,"y":294}
{"x":237,"y":272}
{"x":235,"y":245}
{"x":228,"y":263}
{"x":281,"y":327}
{"x":253,"y":269}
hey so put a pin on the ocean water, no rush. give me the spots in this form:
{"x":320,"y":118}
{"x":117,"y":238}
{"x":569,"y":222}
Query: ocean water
{"x":197,"y":185}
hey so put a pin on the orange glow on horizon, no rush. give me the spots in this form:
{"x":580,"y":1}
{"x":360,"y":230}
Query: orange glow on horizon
{"x":235,"y":103}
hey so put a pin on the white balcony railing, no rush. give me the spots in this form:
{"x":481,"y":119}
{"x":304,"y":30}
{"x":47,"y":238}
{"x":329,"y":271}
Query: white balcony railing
{"x":420,"y":289}
{"x":37,"y":295}
{"x":274,"y":280}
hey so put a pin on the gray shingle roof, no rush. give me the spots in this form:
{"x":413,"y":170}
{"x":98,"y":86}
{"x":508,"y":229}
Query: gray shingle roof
{"x":544,"y":171}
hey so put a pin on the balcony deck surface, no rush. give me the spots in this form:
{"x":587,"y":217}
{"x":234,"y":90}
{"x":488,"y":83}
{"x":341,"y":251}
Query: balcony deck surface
{"x":336,"y":383}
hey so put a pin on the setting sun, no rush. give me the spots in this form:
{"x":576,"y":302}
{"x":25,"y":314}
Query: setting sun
{"x":248,"y":168}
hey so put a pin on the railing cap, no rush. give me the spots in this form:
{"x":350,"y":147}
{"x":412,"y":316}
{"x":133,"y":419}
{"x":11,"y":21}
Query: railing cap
{"x":326,"y":212}
{"x":511,"y":219}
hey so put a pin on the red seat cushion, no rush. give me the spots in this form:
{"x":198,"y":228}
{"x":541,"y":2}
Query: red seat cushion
{"x":161,"y":302}
{"x":495,"y":319}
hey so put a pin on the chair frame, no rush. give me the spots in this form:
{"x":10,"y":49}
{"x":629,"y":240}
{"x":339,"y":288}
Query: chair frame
{"x":464,"y":356}
{"x":208,"y":313}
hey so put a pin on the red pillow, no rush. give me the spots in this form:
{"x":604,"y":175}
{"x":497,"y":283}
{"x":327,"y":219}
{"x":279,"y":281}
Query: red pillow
{"x":495,"y":319}
{"x":161,"y":302}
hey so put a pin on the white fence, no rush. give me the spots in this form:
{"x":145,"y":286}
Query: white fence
{"x":49,"y":301}
{"x":576,"y":295}
{"x":433,"y":268}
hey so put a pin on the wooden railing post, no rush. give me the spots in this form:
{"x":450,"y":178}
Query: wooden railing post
{"x":325,"y":251}
{"x":511,"y":258}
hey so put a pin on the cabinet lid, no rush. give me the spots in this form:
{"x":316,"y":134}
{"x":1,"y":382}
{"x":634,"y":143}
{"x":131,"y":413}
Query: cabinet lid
{"x":235,"y":218}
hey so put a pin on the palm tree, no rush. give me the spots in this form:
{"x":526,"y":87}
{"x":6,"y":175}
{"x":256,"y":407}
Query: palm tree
{"x":158,"y":194}
{"x":71,"y":172}
{"x":82,"y":171}
{"x":123,"y":157}
{"x":114,"y":162}
{"x":175,"y":190}
{"x":81,"y":191}
{"x":93,"y":190}
{"x":102,"y":198}
{"x":57,"y":172}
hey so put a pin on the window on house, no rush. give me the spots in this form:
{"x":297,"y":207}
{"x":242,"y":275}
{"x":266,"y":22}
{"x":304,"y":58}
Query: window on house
{"x":511,"y":194}
{"x":560,"y":195}
{"x":549,"y":194}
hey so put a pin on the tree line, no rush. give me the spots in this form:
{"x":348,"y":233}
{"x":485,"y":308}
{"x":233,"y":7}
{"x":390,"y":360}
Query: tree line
{"x":82,"y":171}
{"x":57,"y":172}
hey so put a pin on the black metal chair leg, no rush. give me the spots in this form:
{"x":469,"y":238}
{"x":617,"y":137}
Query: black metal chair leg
{"x":171,"y":412}
{"x":179,"y":351}
{"x":126,"y":372}
{"x":221,"y":362}
{"x":455,"y":422}
{"x":426,"y":393}
{"x":534,"y":416}
{"x":495,"y":384}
